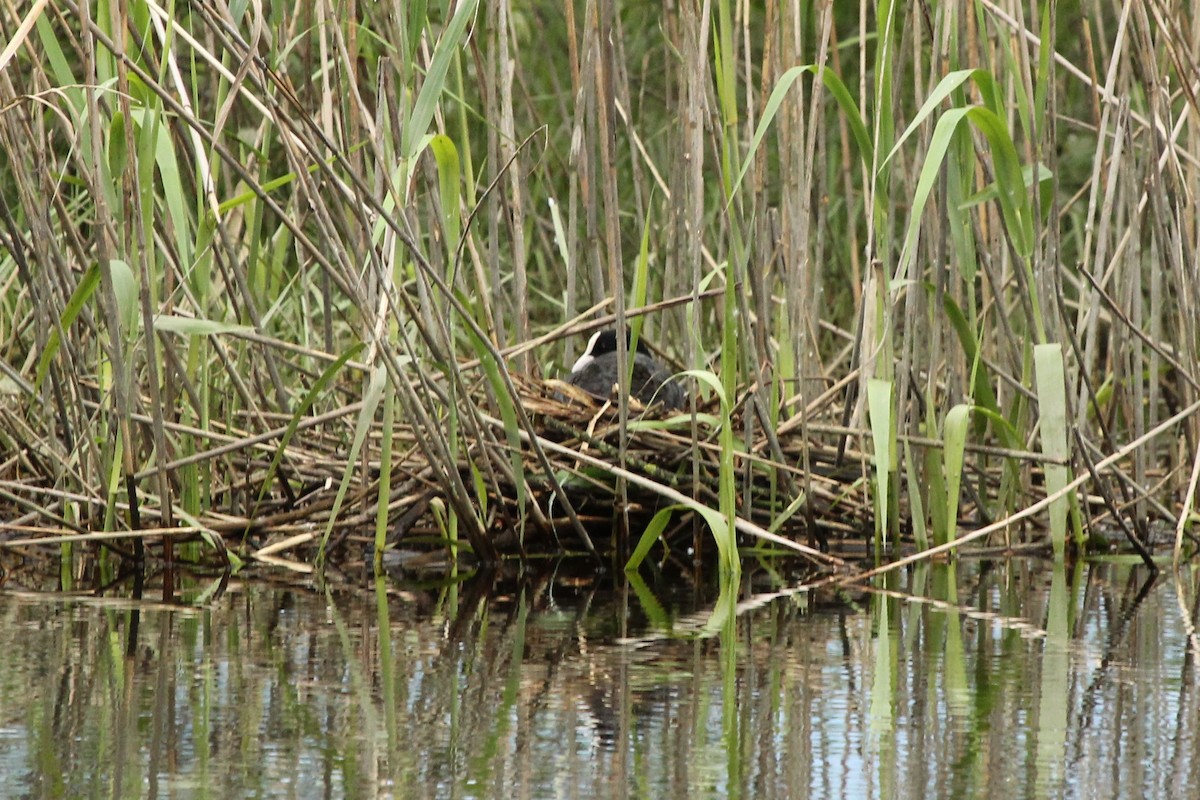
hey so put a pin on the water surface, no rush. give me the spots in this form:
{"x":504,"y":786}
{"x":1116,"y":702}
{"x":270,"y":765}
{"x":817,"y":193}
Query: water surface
{"x":990,"y":679}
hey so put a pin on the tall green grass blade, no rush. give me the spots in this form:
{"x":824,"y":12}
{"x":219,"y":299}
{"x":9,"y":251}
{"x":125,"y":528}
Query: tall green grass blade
{"x":158,"y":136}
{"x":943,"y":133}
{"x":879,"y":409}
{"x":781,"y":518}
{"x":1052,"y":405}
{"x":1045,"y":73}
{"x":981,"y":378}
{"x":933,"y":476}
{"x":508,"y":413}
{"x":560,"y":234}
{"x":125,"y":288}
{"x":435,"y":80}
{"x":118,"y":153}
{"x":270,"y":186}
{"x":1002,"y":426}
{"x":840,"y":93}
{"x":385,"y":479}
{"x":946,"y":87}
{"x":650,"y":535}
{"x":449,"y":185}
{"x":955,"y":445}
{"x":641,"y":284}
{"x":882,"y":96}
{"x":722,"y":523}
{"x":1031,"y":175}
{"x":60,"y":65}
{"x":413,"y":15}
{"x":725,"y":72}
{"x":83,"y":292}
{"x":481,"y":493}
{"x":950,"y":86}
{"x":362,"y":427}
{"x":319,"y":388}
{"x":1010,"y":181}
{"x":1014,"y":200}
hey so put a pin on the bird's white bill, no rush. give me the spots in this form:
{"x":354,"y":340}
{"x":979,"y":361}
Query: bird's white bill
{"x":587,"y":356}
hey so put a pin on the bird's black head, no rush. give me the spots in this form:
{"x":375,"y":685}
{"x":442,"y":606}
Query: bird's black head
{"x":604,"y":343}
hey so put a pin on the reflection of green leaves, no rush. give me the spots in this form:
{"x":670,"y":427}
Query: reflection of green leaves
{"x":958,"y":688}
{"x":656,"y":615}
{"x":882,"y":692}
{"x":1053,"y":712}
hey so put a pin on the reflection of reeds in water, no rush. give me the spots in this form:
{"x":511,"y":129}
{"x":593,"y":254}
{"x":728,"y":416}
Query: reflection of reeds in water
{"x":239,"y":303}
{"x":557,"y":681}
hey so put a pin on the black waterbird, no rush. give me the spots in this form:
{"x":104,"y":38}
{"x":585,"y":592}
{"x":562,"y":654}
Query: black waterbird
{"x":596,"y":372}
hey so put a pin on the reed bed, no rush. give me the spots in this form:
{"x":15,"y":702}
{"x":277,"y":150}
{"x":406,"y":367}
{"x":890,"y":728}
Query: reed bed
{"x":291,"y":278}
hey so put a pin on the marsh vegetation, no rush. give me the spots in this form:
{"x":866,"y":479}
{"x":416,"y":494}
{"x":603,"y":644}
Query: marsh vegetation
{"x":284,"y":281}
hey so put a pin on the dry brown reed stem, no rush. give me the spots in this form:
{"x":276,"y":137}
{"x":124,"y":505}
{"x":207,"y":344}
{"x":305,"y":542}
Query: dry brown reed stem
{"x":101,"y":536}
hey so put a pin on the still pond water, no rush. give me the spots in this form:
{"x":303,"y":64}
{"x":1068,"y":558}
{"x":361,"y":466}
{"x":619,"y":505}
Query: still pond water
{"x":981,"y":679}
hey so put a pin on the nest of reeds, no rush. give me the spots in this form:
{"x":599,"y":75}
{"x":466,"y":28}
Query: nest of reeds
{"x":552,"y":482}
{"x":554,"y":485}
{"x":606,"y":470}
